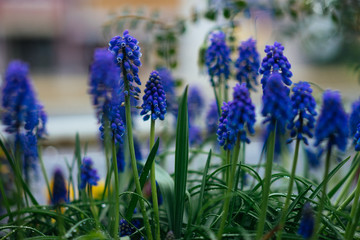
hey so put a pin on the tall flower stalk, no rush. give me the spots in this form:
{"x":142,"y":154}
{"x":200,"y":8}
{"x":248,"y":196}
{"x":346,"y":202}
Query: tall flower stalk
{"x":332,"y":127}
{"x":154,"y":107}
{"x":301,"y":125}
{"x":127,"y":55}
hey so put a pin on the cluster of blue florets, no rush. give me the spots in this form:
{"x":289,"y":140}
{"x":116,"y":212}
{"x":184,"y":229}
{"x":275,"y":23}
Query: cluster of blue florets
{"x":27,"y":143}
{"x":168,"y":83}
{"x":104,"y":79}
{"x":127,"y":229}
{"x":332,"y":123}
{"x":275,"y":62}
{"x":303,"y":112}
{"x":195,"y":103}
{"x":112,"y":118}
{"x":354,"y":117}
{"x":224,"y":137}
{"x":241,"y":114}
{"x":275,"y":97}
{"x":126,"y":52}
{"x":212,"y":118}
{"x":88,"y":174}
{"x":357,"y":138}
{"x":217,"y":57}
{"x":307,"y":223}
{"x":59,"y":191}
{"x":248,"y":63}
{"x":154,"y":105}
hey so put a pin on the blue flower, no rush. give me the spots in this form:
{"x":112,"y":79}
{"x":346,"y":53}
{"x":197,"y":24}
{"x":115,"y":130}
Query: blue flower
{"x":120,"y":156}
{"x":88,"y":174}
{"x":280,"y":141}
{"x":19,"y":100}
{"x":357,"y":138}
{"x":168,"y":83}
{"x":224,"y":137}
{"x":313,"y":158}
{"x":241,"y":114}
{"x":154,"y":105}
{"x":276,"y":107}
{"x":354,"y":117}
{"x":27,"y":143}
{"x":248,"y":63}
{"x":195,"y":103}
{"x":303,"y":112}
{"x":41,"y":129}
{"x":307,"y":223}
{"x":111,"y":113}
{"x":126,"y":53}
{"x":212,"y":118}
{"x":217,"y":58}
{"x":127,"y":229}
{"x":104,"y":80}
{"x":195,"y":137}
{"x":59,"y":192}
{"x":332,"y":124}
{"x":275,"y":62}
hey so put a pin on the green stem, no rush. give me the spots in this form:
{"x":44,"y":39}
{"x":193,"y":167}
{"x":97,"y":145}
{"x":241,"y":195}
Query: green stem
{"x":132,"y":155}
{"x":230,"y":183}
{"x":153,"y":184}
{"x":93,"y":207}
{"x":323,"y":197}
{"x":5,"y":200}
{"x":290,"y":189}
{"x":44,"y":171}
{"x":355,"y":211}
{"x":218,"y":103}
{"x":267,"y":182}
{"x":116,"y":192}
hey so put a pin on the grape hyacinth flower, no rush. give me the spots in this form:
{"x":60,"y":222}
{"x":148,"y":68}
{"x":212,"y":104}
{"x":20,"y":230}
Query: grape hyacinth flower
{"x":88,"y":174}
{"x":104,"y":79}
{"x":154,"y":105}
{"x":306,"y":227}
{"x":218,"y":57}
{"x":332,"y":124}
{"x":313,"y":158}
{"x":303,"y":112}
{"x":248,"y":64}
{"x":275,"y":99}
{"x":212,"y":118}
{"x":28,"y":145}
{"x":195,"y":137}
{"x":275,"y":62}
{"x":111,"y":113}
{"x":126,"y":54}
{"x":127,"y":229}
{"x":59,"y":191}
{"x":224,"y":136}
{"x":195,"y":103}
{"x":241,"y":114}
{"x":168,"y":83}
{"x":357,"y":138}
{"x":354,"y":117}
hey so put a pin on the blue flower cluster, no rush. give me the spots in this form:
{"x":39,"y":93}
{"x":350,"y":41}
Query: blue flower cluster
{"x":274,"y":98}
{"x":303,"y":112}
{"x":307,"y":223}
{"x":248,"y":63}
{"x":218,"y":57}
{"x":112,"y":119}
{"x":88,"y":174}
{"x":223,"y":133}
{"x":126,"y":52}
{"x":154,"y":105}
{"x":120,"y":156}
{"x":27,"y":143}
{"x":195,"y":137}
{"x":354,"y":117}
{"x":195,"y":103}
{"x":212,"y":118}
{"x":127,"y":229}
{"x":241,"y":114}
{"x":332,"y":123}
{"x":59,"y":191}
{"x":104,"y":79}
{"x":313,"y":157}
{"x":168,"y":83}
{"x":275,"y":62}
{"x":357,"y":138}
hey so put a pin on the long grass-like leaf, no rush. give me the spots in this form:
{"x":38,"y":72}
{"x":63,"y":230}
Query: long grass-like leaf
{"x":181,"y":163}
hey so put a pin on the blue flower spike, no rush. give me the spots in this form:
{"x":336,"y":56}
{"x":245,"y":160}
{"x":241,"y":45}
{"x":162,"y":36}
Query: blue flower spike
{"x":248,"y":63}
{"x":354,"y":117}
{"x":218,"y":57}
{"x":88,"y":173}
{"x":303,"y":112}
{"x":357,"y":138}
{"x":212,"y":118}
{"x":154,"y":105}
{"x":59,"y":191}
{"x":275,"y":62}
{"x":307,"y":223}
{"x":223,"y":134}
{"x":332,"y":124}
{"x":111,"y":113}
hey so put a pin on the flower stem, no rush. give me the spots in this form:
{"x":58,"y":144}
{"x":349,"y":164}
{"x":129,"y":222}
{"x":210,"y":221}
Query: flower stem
{"x":290,"y":188}
{"x":230,"y":182}
{"x":133,"y":160}
{"x":116,"y":190}
{"x":44,"y":171}
{"x":354,"y":214}
{"x":267,"y":182}
{"x":93,"y":208}
{"x":153,"y":184}
{"x":323,"y":197}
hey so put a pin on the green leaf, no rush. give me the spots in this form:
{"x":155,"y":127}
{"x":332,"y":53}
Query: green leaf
{"x":181,"y":163}
{"x":227,"y":13}
{"x":241,"y":4}
{"x":143,"y":177}
{"x":211,"y":14}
